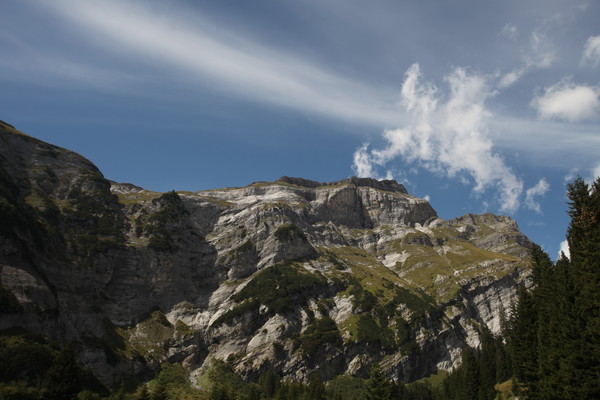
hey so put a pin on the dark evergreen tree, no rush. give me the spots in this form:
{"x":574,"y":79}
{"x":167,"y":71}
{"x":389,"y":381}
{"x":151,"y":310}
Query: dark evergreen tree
{"x":419,"y":391}
{"x":470,"y":373}
{"x":399,"y":392}
{"x":219,"y":392}
{"x":523,"y":345}
{"x":64,"y":379}
{"x":159,"y":392}
{"x":142,"y":393}
{"x":583,"y":237}
{"x":555,"y":337}
{"x":486,"y":363}
{"x":378,"y":387}
{"x":316,"y":388}
{"x":270,"y":382}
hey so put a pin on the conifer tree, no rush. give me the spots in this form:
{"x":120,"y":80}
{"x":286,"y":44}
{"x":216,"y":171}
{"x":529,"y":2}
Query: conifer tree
{"x":142,"y":393}
{"x":584,"y":243}
{"x":523,"y":345}
{"x":316,"y":388}
{"x":270,"y":382}
{"x":64,"y":379}
{"x":486,"y":363}
{"x":555,"y":337}
{"x":378,"y":387}
{"x":159,"y":392}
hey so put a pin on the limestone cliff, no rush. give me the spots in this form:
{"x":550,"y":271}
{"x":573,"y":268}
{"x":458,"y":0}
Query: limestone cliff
{"x":295,"y":274}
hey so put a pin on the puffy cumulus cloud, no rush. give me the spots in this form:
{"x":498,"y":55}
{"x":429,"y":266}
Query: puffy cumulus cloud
{"x":567,"y":101}
{"x":363,"y":163}
{"x":591,"y":51}
{"x":448,"y":135}
{"x":564,"y":249}
{"x":540,"y":189}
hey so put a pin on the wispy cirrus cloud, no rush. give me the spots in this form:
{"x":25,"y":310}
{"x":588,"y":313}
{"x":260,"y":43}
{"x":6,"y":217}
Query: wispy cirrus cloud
{"x":541,"y":52}
{"x":510,"y":31}
{"x":225,"y":61}
{"x":447,"y":136}
{"x":591,"y":51}
{"x":538,"y":53}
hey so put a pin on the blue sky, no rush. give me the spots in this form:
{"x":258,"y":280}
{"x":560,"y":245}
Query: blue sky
{"x":477,"y":106}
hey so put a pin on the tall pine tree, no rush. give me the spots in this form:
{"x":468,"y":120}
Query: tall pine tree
{"x":555,"y":335}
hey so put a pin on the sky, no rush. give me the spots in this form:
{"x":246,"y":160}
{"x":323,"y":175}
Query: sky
{"x":475,"y":106}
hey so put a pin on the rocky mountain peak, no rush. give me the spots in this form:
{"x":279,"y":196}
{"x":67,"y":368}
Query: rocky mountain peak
{"x":385,"y":185}
{"x":265,"y":276}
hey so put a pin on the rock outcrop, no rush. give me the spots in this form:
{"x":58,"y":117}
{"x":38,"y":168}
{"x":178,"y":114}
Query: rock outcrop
{"x":293,"y":274}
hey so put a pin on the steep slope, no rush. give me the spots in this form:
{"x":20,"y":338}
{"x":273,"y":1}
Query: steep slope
{"x":294,"y":274}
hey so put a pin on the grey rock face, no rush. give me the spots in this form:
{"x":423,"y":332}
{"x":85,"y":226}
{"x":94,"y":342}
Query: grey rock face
{"x":274,"y":273}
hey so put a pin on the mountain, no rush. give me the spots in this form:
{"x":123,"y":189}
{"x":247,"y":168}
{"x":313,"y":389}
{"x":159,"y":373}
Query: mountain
{"x":295,"y":275}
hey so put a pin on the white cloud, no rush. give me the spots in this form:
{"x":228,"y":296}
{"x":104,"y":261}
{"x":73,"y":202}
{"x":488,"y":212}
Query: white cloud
{"x":564,"y":248}
{"x":363,"y":164}
{"x":596,"y":171}
{"x":449,"y":138}
{"x":591,"y":51}
{"x":509,"y":31}
{"x":540,"y":189}
{"x":427,"y":197}
{"x":509,"y":78}
{"x":206,"y":54}
{"x":567,"y":101}
{"x":570,"y":177}
{"x":541,"y":52}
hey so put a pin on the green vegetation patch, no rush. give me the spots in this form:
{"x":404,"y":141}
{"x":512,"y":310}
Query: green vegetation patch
{"x":505,"y":390}
{"x":159,"y":225}
{"x":363,"y":328}
{"x":281,"y":288}
{"x":172,"y":382}
{"x":93,"y":217}
{"x":149,"y":338}
{"x":319,"y":332}
{"x":439,"y":275}
{"x":219,"y":202}
{"x":287,"y":233}
{"x":370,"y":275}
{"x":137,"y":197}
{"x":33,"y":367}
{"x":183,"y":330}
{"x":239,"y":310}
{"x":346,"y":387}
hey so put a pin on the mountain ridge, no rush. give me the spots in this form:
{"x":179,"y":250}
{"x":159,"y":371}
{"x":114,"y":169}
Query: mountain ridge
{"x":267,"y":275}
